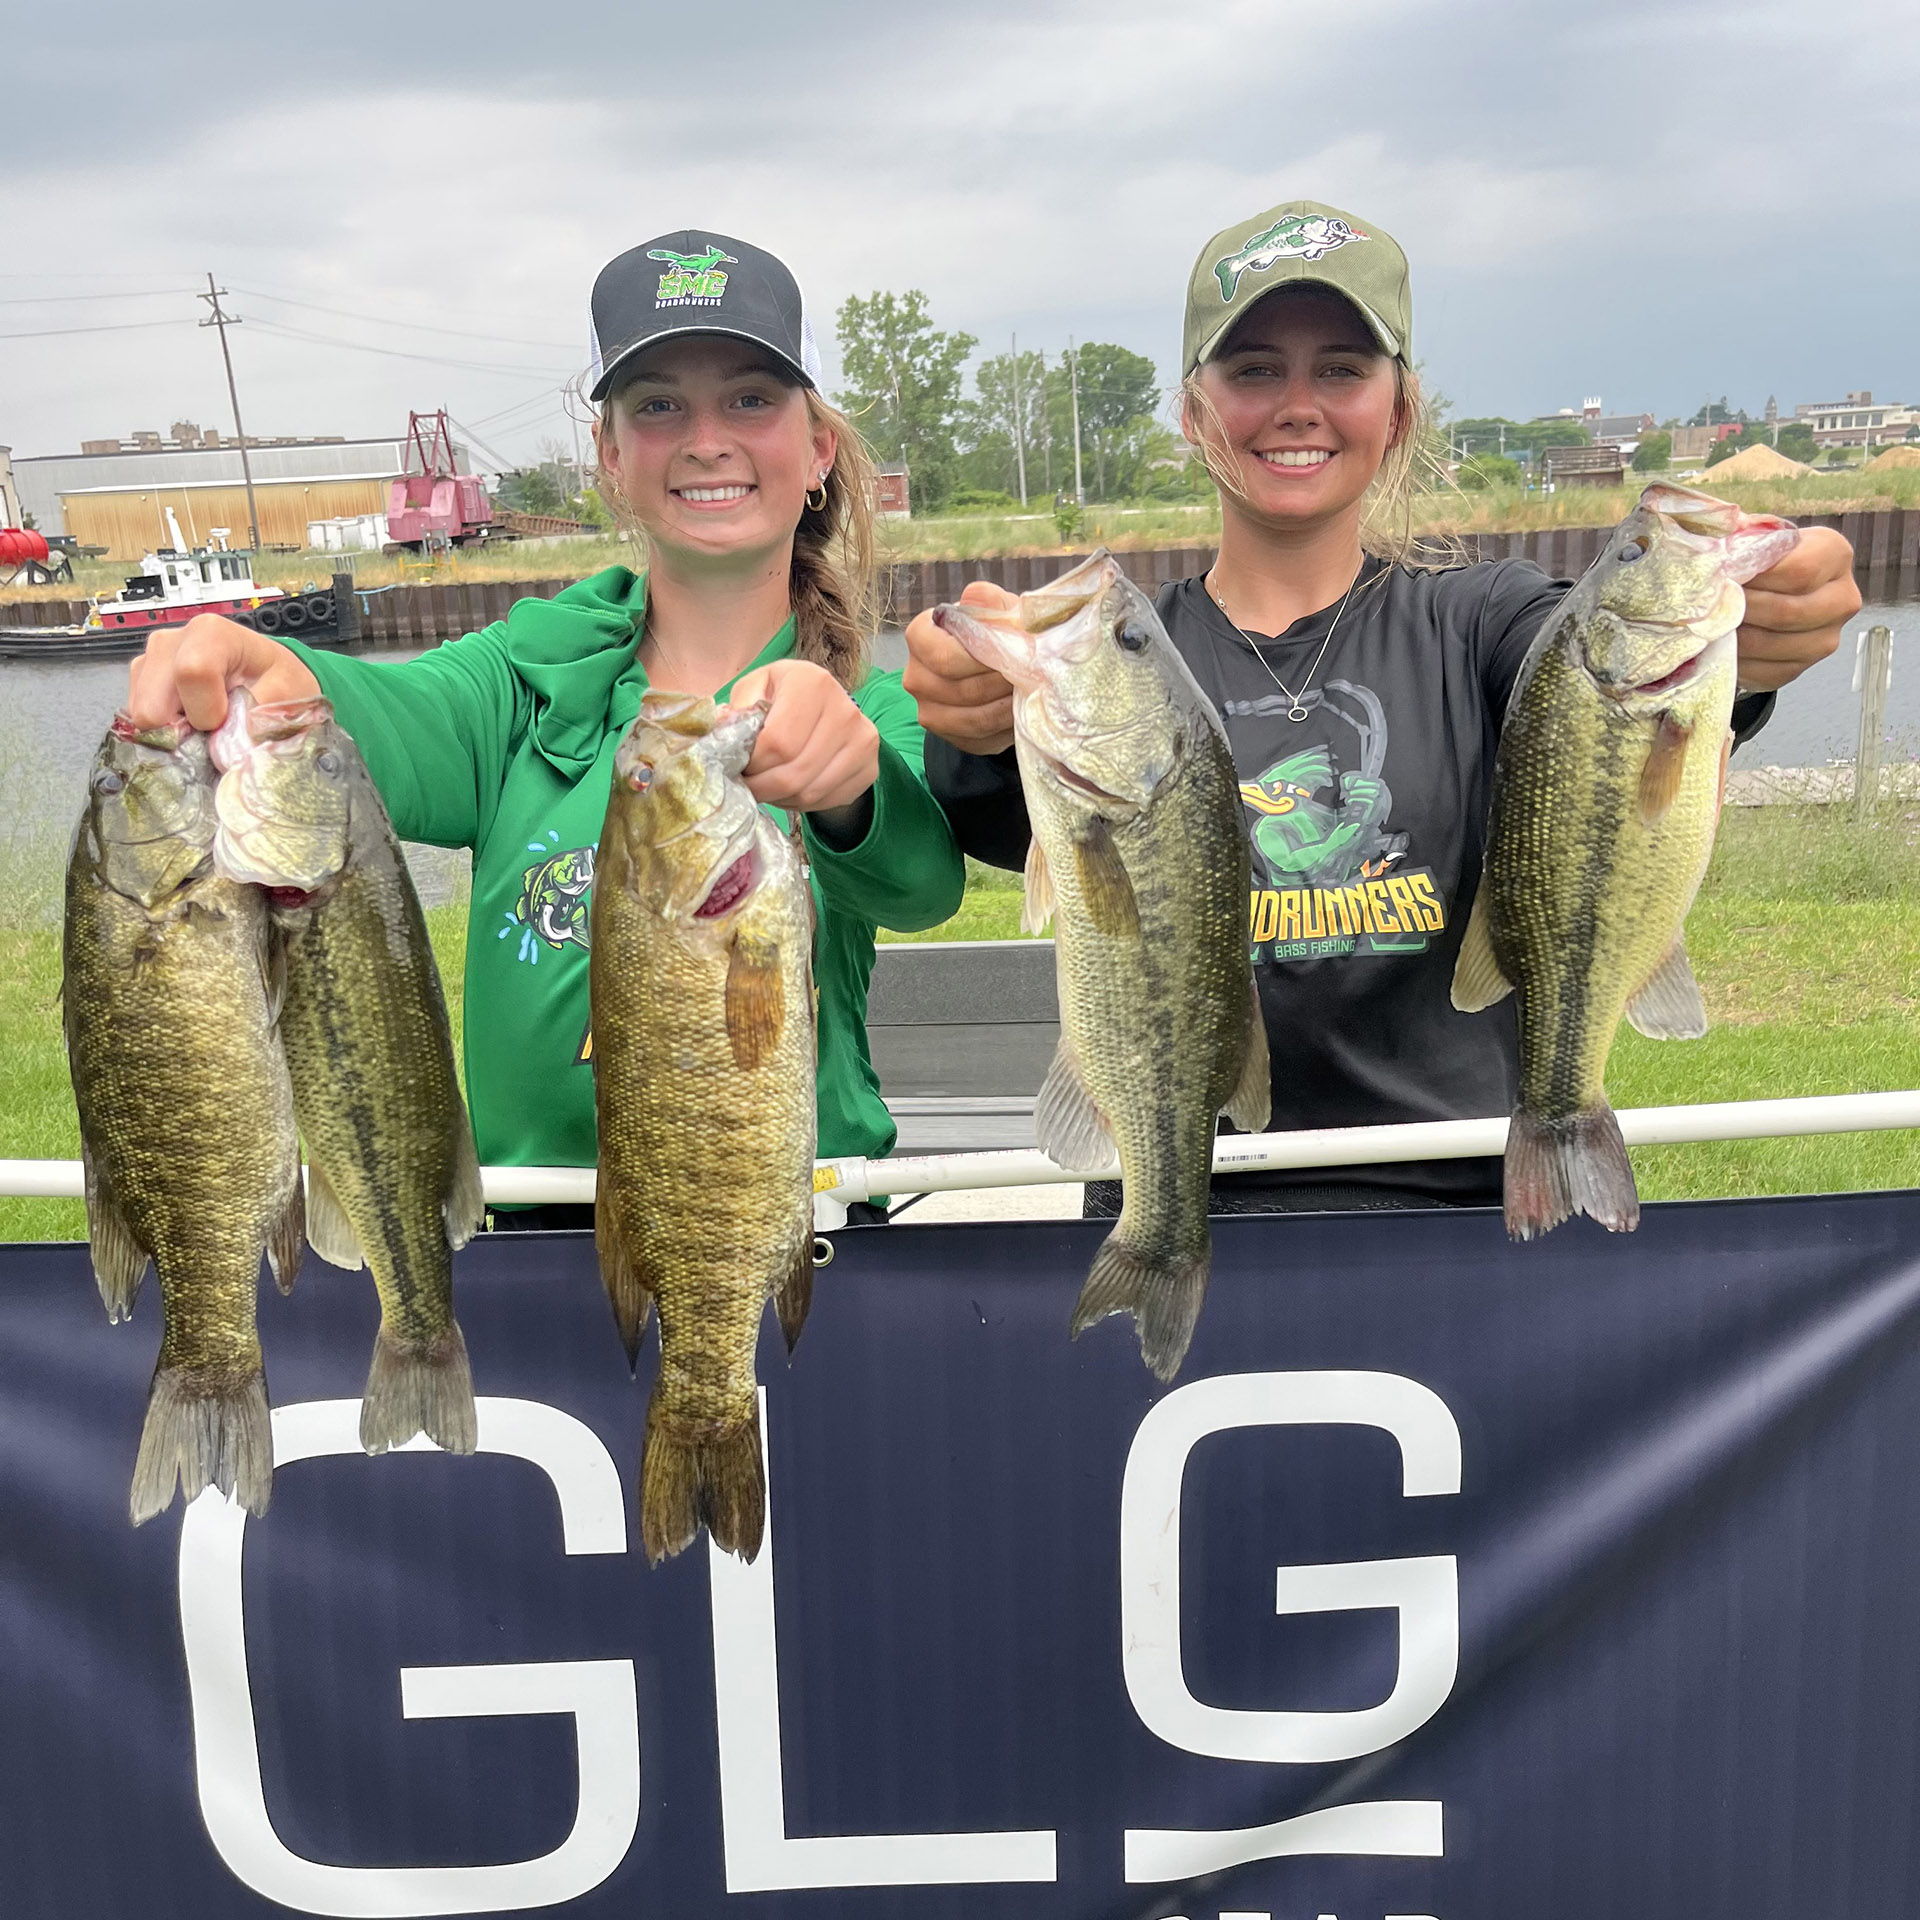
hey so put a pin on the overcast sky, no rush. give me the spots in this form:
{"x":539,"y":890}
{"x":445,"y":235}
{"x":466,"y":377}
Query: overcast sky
{"x":1649,"y":203}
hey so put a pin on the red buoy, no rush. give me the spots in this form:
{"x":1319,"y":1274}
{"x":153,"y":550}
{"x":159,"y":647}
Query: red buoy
{"x":18,"y":545}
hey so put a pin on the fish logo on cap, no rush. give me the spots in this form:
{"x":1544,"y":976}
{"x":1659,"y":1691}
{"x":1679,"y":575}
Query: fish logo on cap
{"x":1300,"y":236}
{"x":691,"y":277}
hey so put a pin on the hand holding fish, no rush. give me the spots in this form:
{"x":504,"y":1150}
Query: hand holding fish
{"x":967,"y":705}
{"x":189,"y":673}
{"x":1796,"y":611}
{"x":816,"y":751}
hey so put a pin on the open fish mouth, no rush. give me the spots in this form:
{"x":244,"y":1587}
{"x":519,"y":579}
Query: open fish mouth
{"x":1081,"y":784}
{"x":737,"y":880}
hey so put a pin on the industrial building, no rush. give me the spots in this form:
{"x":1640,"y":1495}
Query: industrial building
{"x":115,"y":494}
{"x":9,"y":498}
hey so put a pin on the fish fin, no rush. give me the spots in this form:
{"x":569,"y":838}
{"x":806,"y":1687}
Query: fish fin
{"x":465,"y":1207}
{"x":1666,"y":762}
{"x":288,"y":1237}
{"x":419,"y":1386}
{"x":1104,"y":881}
{"x":203,"y":1432}
{"x":1037,"y":908}
{"x":1072,"y":1132}
{"x":710,"y":1475}
{"x":1250,"y":1105}
{"x":273,"y":973}
{"x":1478,"y":982}
{"x":1556,"y":1168}
{"x":756,"y":1000}
{"x":621,"y":1274}
{"x":1164,"y":1297}
{"x":793,"y":1290}
{"x":1668,"y":1006}
{"x":329,"y":1232}
{"x":119,"y":1260}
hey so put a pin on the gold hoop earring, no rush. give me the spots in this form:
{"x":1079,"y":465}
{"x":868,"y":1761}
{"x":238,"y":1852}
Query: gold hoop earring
{"x":819,"y":487}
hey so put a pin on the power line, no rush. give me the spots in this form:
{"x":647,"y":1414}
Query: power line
{"x":58,"y":299}
{"x":122,"y":326}
{"x":417,"y":326}
{"x":398,"y":353}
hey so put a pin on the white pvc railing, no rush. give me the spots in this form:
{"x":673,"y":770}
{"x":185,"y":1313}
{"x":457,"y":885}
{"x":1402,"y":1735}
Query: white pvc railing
{"x":857,"y":1179}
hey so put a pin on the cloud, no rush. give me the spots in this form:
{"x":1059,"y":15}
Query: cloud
{"x":1647,"y":201}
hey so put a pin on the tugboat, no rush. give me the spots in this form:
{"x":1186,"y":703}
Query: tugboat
{"x":173,"y":585}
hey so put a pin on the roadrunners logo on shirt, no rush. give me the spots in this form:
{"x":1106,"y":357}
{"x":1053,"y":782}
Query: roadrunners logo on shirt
{"x":1336,"y":882}
{"x":1300,"y":236}
{"x":691,"y":279}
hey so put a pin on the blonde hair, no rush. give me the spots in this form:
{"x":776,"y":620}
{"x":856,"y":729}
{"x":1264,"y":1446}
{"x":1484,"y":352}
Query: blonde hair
{"x":1386,"y":511}
{"x":830,"y":583}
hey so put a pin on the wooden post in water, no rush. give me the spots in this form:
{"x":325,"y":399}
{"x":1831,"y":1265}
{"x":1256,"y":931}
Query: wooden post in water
{"x":1872,"y":675}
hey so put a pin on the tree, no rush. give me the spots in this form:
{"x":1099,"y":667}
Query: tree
{"x":1796,"y":441}
{"x":1006,"y":420}
{"x":903,"y":386}
{"x":1654,"y":452}
{"x":1118,"y":392}
{"x":534,"y":490}
{"x":1715,"y":414}
{"x":1488,"y":470}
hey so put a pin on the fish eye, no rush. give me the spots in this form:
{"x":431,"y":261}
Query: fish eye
{"x":109,"y":780}
{"x":1133,"y":636}
{"x":1635,"y":549}
{"x":327,"y":760}
{"x":640,"y":775}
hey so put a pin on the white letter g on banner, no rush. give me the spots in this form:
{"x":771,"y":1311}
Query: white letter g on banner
{"x":599,"y":1694}
{"x":1422,"y":1592}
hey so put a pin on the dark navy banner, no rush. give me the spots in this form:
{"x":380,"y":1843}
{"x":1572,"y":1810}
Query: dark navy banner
{"x":1451,"y":1579}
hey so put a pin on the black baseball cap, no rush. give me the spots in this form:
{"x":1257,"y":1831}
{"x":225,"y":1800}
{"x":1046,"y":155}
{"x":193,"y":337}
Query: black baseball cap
{"x":698,"y":282}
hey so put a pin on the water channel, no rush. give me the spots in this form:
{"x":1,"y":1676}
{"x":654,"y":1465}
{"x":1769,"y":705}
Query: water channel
{"x":52,"y":715}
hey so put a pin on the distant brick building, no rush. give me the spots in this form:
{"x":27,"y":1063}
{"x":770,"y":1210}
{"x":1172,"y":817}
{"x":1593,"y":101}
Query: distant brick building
{"x":895,"y":497}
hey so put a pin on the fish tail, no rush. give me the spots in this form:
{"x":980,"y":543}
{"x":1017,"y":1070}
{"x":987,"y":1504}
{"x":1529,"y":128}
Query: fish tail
{"x":1164,"y":1296}
{"x":706,"y":1474}
{"x":203,"y":1430}
{"x":1557,"y":1168}
{"x":419,"y":1386}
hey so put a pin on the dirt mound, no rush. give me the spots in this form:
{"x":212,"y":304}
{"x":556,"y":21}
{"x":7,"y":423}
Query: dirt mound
{"x":1894,"y":457}
{"x":1756,"y":463}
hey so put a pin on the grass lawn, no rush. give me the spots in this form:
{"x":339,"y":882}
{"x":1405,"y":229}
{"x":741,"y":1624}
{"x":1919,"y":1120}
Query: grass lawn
{"x":1806,"y":939}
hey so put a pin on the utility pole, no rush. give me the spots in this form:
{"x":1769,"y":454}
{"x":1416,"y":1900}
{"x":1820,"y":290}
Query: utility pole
{"x":1073,"y":363}
{"x":223,"y":321}
{"x":1019,"y":425}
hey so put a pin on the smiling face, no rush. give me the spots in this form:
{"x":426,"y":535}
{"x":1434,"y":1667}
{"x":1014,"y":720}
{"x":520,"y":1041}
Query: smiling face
{"x":712,"y":450}
{"x":1308,"y":406}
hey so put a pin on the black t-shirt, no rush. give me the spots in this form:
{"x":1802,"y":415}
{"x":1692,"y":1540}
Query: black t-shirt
{"x":1367,"y":819}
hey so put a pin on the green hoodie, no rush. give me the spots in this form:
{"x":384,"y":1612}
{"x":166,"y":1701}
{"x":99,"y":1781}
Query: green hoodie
{"x":503,"y":742}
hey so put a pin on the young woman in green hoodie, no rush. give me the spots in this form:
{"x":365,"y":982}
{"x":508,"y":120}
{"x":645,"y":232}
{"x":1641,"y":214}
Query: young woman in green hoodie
{"x":755,"y":502}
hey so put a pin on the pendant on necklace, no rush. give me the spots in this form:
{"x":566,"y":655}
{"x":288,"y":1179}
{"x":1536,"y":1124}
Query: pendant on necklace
{"x":1296,"y":713}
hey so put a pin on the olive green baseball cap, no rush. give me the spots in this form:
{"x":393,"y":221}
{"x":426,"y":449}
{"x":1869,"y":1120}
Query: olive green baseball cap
{"x":1298,"y":243}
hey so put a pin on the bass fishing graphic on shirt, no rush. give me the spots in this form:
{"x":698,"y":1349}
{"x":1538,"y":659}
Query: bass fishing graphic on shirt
{"x":1332,"y":864}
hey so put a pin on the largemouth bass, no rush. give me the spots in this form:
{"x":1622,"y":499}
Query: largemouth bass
{"x":186,"y":1117}
{"x":703,"y":1073}
{"x":393,"y":1180}
{"x":1140,"y":857}
{"x":1606,"y":793}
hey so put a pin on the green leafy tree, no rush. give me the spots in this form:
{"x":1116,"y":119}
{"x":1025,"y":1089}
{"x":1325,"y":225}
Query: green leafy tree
{"x":1005,"y":419}
{"x":1796,"y":441}
{"x":1715,"y":414}
{"x":903,"y":386}
{"x":1486,"y":470}
{"x":1118,"y":392}
{"x":533,"y":490}
{"x":1653,"y":453}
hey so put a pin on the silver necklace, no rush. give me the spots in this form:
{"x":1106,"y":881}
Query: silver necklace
{"x":1297,"y":710}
